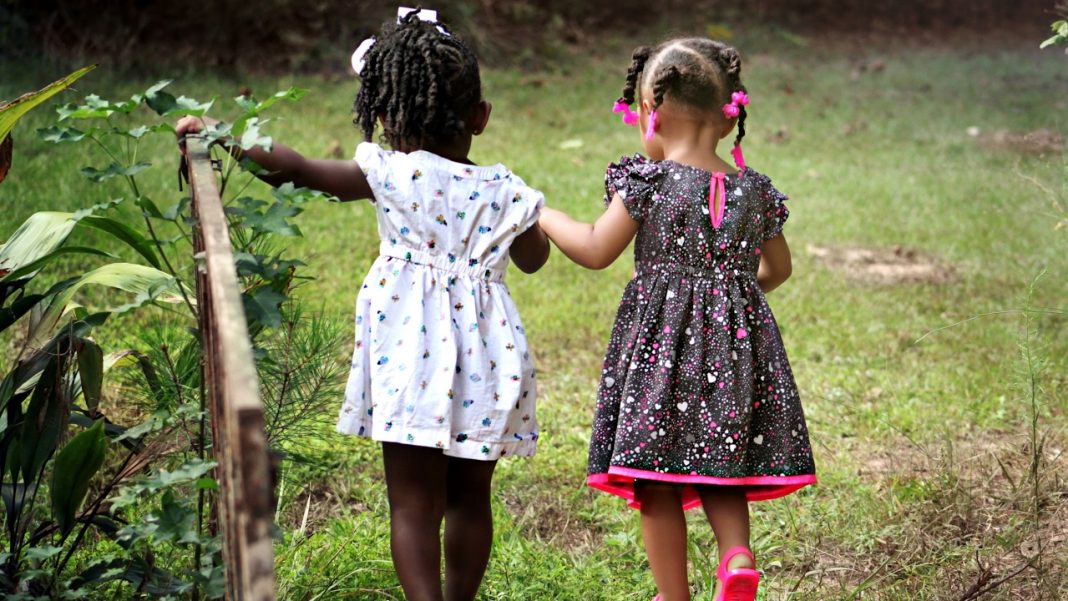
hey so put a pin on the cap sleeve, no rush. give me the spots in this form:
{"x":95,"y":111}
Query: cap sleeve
{"x":372,"y":161}
{"x":635,"y":179}
{"x":774,"y":208}
{"x":383,"y":170}
{"x":528,"y":203}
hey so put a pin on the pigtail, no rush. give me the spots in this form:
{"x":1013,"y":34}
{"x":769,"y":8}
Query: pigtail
{"x":729,"y":59}
{"x":667,"y":77}
{"x":637,"y":65}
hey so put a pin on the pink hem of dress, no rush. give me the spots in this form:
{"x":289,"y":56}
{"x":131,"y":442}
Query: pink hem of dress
{"x":619,"y":481}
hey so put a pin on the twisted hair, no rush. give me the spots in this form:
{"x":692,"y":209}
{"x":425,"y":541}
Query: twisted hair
{"x":421,"y":81}
{"x":697,"y":72}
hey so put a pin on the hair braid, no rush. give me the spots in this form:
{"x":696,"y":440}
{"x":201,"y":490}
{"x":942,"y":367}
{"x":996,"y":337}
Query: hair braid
{"x":732,"y":68}
{"x":666,"y":78}
{"x":637,"y":65}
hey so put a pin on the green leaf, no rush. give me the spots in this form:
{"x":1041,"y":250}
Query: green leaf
{"x":38,"y":236}
{"x":158,"y":100}
{"x":176,"y":210}
{"x":251,"y":138}
{"x":46,"y":416}
{"x":147,"y":283}
{"x":126,"y":234}
{"x":263,"y":307}
{"x":148,"y":207}
{"x":42,"y":552}
{"x":253,"y":108}
{"x":59,"y":135}
{"x":91,"y":373}
{"x":75,"y":466}
{"x":10,"y":113}
{"x":175,"y":521}
{"x":31,"y":269}
{"x":114,"y":170}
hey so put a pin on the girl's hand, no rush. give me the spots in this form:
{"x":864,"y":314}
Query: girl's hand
{"x":189,"y":125}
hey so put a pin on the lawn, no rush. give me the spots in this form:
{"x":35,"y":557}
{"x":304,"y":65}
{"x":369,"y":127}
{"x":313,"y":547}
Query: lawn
{"x":918,"y":393}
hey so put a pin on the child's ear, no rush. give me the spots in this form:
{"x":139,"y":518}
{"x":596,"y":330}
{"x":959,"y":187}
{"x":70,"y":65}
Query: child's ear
{"x":481,"y":117}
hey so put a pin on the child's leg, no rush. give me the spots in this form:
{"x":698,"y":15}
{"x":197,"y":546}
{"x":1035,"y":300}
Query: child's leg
{"x":664,"y":533}
{"x":468,"y":526}
{"x":727,"y":510}
{"x":415,"y":484}
{"x":728,"y":513}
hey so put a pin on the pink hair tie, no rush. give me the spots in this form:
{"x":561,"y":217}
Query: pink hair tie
{"x":739,"y":160}
{"x":734,"y":108}
{"x":651,"y":127}
{"x":629,"y":116}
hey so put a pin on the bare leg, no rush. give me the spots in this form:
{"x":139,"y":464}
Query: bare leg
{"x":468,"y":526}
{"x":415,"y":484}
{"x":664,"y":533}
{"x":728,"y":513}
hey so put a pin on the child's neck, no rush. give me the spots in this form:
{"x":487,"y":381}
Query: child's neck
{"x":456,"y":152}
{"x":694,"y":143}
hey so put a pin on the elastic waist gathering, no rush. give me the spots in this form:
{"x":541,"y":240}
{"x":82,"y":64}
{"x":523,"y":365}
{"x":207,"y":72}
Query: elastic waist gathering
{"x":451,"y":264}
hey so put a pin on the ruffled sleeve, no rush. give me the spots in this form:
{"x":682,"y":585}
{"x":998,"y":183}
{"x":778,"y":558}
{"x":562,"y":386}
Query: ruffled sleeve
{"x":635,"y":179}
{"x":775,"y":212}
{"x":387,"y":172}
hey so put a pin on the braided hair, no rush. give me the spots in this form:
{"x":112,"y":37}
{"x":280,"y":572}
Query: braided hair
{"x":697,"y":72}
{"x":421,"y":80}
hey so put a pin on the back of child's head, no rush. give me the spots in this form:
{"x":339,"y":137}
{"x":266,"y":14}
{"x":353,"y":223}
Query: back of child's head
{"x":698,"y":73}
{"x":421,"y":80}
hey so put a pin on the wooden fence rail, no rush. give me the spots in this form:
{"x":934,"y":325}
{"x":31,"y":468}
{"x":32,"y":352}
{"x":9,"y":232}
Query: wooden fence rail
{"x":245,"y":509}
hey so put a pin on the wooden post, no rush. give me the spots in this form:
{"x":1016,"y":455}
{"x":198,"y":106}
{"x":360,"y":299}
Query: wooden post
{"x":245,"y":507}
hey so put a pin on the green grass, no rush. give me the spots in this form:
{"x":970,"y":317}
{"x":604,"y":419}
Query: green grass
{"x":907,"y":433}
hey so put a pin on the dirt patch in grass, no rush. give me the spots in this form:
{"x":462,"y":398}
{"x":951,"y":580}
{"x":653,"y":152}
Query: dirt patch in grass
{"x":1037,"y":142}
{"x":967,"y":518}
{"x":875,"y":265}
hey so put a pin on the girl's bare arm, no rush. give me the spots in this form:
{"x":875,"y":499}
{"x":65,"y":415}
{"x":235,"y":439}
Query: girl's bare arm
{"x":775,"y":264}
{"x":530,"y":250}
{"x":341,"y":178}
{"x":592,"y":245}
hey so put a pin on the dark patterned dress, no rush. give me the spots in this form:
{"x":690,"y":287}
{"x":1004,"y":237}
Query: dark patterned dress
{"x":696,"y":388}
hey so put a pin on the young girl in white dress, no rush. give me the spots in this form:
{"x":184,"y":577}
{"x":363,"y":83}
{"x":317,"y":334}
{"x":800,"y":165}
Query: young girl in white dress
{"x":441,"y":373}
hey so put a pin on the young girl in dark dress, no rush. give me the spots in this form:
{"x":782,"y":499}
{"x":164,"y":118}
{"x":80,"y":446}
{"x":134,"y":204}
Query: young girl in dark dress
{"x":697,"y":405}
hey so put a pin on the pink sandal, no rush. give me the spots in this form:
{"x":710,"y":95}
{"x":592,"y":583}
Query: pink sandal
{"x":739,"y":584}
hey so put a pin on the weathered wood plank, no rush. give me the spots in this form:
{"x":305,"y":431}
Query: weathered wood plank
{"x":245,"y":507}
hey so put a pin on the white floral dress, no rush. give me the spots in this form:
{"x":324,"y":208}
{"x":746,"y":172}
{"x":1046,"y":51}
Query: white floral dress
{"x":441,"y":357}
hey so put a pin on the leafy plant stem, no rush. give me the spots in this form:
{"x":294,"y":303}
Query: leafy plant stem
{"x":162,"y":253}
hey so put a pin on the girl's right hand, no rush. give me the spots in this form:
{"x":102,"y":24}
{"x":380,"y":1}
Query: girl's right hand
{"x":190,"y":125}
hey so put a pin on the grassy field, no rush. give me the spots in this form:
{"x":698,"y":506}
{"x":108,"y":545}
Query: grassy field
{"x":922,"y":417}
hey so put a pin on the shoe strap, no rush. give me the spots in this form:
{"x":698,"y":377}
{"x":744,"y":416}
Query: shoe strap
{"x":721,"y":572}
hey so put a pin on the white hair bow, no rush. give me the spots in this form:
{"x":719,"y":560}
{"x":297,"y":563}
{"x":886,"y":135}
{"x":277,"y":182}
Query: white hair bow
{"x":402,"y":11}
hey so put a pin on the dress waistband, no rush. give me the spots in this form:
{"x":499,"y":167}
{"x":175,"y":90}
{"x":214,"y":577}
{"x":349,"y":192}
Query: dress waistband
{"x":446,"y":263}
{"x":692,"y":271}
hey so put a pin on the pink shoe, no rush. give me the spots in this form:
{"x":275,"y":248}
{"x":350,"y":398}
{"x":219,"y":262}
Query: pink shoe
{"x":657,"y":597}
{"x":739,"y":584}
